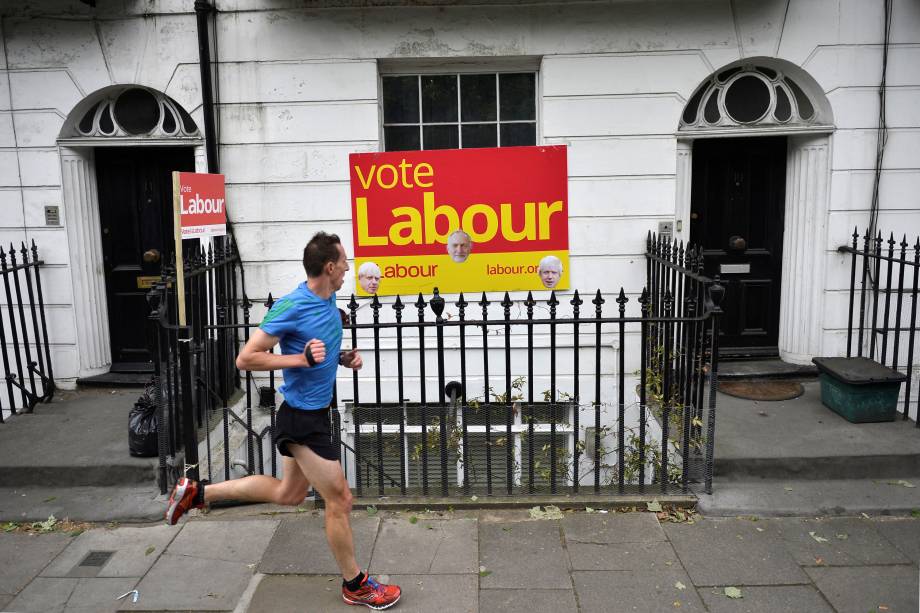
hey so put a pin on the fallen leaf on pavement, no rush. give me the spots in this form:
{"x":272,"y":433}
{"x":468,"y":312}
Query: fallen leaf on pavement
{"x":901,"y":482}
{"x":680,"y":586}
{"x":551,"y":512}
{"x":733,"y":592}
{"x":817,"y":538}
{"x":653,"y":506}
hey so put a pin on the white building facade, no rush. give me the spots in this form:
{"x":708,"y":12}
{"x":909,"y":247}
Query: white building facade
{"x":300,"y":85}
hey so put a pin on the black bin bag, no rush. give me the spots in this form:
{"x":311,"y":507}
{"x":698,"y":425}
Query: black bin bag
{"x":142,"y":426}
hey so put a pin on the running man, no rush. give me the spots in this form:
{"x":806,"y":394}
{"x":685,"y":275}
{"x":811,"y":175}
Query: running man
{"x":308,"y":325}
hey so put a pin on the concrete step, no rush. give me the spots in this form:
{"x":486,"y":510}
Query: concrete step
{"x":114,"y":503}
{"x":803,"y":439}
{"x":80,"y":439}
{"x":116,"y":380}
{"x":819,"y":467}
{"x":811,"y":498}
{"x":765,"y":369}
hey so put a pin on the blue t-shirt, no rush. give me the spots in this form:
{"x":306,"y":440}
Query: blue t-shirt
{"x":295,"y":319}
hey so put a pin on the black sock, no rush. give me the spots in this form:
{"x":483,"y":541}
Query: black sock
{"x":199,"y":495}
{"x":355,"y":583}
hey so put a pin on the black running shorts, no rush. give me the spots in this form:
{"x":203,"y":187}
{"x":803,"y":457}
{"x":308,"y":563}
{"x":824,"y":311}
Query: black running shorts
{"x":311,"y":428}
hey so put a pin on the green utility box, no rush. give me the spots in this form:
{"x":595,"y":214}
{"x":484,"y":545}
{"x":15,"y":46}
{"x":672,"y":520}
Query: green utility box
{"x":859,"y":389}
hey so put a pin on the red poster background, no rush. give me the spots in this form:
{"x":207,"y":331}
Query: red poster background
{"x":460,"y":179}
{"x":191,"y":185}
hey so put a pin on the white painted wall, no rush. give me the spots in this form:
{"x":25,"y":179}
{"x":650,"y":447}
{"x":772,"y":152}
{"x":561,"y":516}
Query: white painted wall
{"x":299,"y":91}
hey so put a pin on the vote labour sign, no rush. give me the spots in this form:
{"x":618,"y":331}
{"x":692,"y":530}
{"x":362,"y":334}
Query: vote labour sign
{"x":201,"y":204}
{"x":468,"y":220}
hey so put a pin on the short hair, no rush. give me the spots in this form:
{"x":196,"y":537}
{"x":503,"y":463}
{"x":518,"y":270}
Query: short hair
{"x":549,"y":262}
{"x":468,"y":237}
{"x":369,"y":268}
{"x":320,"y":250}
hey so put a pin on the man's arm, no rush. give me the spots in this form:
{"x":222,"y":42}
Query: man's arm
{"x":351,"y":359}
{"x":255,"y":354}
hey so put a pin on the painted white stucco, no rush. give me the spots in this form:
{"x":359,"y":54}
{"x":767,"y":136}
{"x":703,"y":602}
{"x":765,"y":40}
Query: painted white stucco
{"x":298,"y":92}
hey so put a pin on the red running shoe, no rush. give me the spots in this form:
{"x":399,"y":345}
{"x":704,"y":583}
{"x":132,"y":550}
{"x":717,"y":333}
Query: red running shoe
{"x":182,"y":499}
{"x":371,"y":594}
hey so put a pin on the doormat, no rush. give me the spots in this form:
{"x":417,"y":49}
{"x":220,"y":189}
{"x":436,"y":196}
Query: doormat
{"x":762,"y":390}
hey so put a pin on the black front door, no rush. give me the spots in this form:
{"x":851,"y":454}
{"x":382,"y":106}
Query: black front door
{"x":737,"y":217}
{"x":135,"y":200}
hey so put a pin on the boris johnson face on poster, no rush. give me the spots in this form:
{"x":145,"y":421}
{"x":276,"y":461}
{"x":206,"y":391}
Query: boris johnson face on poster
{"x":369,"y":277}
{"x":459,"y":246}
{"x":550,"y":271}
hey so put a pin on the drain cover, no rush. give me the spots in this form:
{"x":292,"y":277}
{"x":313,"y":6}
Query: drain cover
{"x":96,"y":558}
{"x":91,"y":564}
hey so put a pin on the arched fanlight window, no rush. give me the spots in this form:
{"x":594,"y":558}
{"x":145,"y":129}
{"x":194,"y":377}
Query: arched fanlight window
{"x":748,"y":95}
{"x":137,"y":111}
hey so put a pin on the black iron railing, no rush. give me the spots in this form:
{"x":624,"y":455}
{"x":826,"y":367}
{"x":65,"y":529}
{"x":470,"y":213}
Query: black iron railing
{"x":680,"y":357}
{"x":482,"y":396}
{"x":194,"y":364}
{"x":24,"y":345}
{"x":882,"y":311}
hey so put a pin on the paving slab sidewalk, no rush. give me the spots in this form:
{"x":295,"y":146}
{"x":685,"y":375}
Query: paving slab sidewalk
{"x":256,"y":560}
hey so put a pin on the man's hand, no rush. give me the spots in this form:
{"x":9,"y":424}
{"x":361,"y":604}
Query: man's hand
{"x":351,"y":359}
{"x":314,"y":352}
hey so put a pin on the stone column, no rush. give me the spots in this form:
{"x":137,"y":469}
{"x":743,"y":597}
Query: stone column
{"x":804,"y":249}
{"x":81,"y":212}
{"x":682,"y":180}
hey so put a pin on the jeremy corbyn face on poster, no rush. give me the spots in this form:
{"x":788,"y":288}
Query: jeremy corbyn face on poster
{"x":459,"y":245}
{"x":369,"y":277}
{"x":550,"y":271}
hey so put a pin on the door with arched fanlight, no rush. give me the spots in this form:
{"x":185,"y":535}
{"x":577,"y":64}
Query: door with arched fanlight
{"x":134,"y":157}
{"x":739,"y":118}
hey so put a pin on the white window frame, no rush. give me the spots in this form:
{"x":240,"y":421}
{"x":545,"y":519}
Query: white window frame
{"x":424,"y":68}
{"x":564,"y":430}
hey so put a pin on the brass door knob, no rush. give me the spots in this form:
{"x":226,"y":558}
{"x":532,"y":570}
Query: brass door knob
{"x":737,"y":243}
{"x":152,"y":256}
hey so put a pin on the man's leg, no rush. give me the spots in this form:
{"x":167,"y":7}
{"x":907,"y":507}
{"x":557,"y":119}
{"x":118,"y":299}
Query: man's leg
{"x":328,"y":479}
{"x":290,"y":490}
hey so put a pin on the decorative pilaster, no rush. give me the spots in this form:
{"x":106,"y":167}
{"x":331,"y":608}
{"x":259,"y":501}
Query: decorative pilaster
{"x":684,"y":174}
{"x":804,"y":246}
{"x":81,"y":212}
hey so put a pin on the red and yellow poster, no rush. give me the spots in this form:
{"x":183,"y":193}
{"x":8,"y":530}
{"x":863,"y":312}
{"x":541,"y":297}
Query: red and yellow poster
{"x":469,"y":220}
